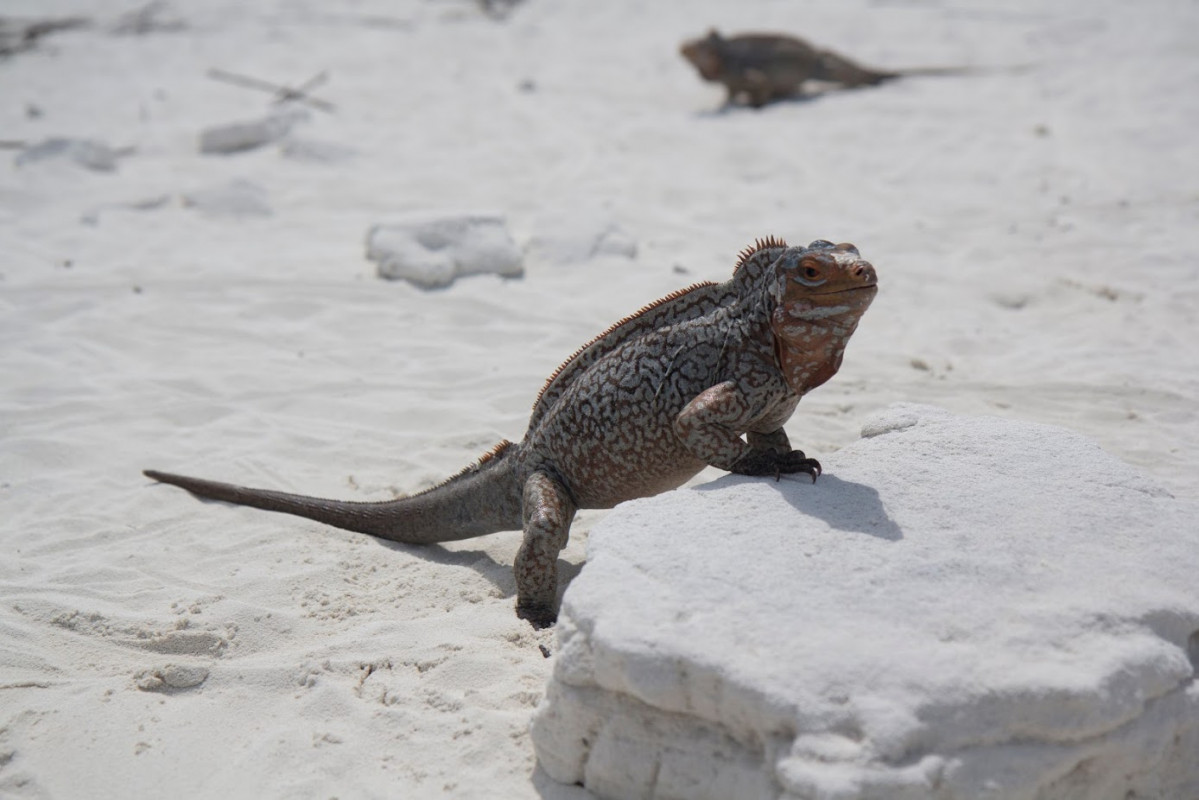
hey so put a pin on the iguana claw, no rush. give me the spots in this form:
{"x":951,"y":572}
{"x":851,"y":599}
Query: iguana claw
{"x":796,"y":462}
{"x":769,"y":462}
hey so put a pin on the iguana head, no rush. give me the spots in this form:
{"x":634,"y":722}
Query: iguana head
{"x":826,"y":276}
{"x":705,"y":55}
{"x":820,"y":292}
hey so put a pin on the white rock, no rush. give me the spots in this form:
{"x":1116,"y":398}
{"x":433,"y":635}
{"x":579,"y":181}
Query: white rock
{"x":961,"y":607}
{"x":576,"y":237}
{"x":236,"y":198}
{"x":87,"y":153}
{"x":236,"y":137}
{"x":171,"y":676}
{"x":432,"y":251}
{"x":315,"y":151}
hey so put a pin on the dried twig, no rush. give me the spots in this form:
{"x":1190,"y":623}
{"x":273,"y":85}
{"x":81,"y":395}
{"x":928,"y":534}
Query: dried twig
{"x":282,"y":93}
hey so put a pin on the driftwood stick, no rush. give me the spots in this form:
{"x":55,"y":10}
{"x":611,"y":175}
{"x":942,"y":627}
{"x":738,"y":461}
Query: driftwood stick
{"x":307,"y":86}
{"x":282,"y":93}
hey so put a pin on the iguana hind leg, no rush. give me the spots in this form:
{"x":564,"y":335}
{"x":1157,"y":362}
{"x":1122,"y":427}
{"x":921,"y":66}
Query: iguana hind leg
{"x":548,"y":512}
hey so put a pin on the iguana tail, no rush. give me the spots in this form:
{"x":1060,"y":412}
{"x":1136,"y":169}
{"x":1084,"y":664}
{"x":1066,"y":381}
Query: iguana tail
{"x":925,"y":71}
{"x":483,"y":498}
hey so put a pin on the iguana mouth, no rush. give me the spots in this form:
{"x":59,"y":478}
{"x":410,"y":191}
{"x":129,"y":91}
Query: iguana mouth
{"x":850,"y":290}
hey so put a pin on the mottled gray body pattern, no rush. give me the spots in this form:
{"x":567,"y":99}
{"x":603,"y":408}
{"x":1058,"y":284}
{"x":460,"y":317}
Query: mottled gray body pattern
{"x":759,"y":68}
{"x":705,"y":376}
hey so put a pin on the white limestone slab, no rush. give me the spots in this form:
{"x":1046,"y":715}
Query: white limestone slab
{"x":961,"y":607}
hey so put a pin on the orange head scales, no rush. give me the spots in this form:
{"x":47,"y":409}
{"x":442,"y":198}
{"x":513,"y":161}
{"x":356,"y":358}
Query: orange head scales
{"x":820,"y":294}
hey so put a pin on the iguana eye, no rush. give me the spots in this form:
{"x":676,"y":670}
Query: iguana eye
{"x":809,"y":272}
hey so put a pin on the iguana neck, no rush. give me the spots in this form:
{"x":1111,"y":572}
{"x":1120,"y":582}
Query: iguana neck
{"x":810,"y":339}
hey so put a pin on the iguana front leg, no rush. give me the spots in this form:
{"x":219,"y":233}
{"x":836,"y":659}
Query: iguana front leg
{"x":776,"y":440}
{"x":548,"y":512}
{"x":757,"y":86}
{"x":710,"y":424}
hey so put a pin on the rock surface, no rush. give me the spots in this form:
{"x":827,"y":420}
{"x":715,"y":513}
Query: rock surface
{"x":961,"y":607}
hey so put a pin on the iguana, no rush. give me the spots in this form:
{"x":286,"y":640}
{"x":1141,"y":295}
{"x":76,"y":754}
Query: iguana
{"x":637,"y":411}
{"x":762,"y":67}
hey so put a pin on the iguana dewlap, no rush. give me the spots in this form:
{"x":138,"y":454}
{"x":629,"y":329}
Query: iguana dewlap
{"x":703,"y":377}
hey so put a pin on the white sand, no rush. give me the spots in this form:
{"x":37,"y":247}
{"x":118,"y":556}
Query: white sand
{"x":1035,"y":232}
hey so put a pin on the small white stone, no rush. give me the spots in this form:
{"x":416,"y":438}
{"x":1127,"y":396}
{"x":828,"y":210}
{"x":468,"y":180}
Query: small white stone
{"x":171,"y":676}
{"x":432,"y":251}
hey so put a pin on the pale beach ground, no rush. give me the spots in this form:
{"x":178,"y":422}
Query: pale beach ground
{"x":1035,"y":225}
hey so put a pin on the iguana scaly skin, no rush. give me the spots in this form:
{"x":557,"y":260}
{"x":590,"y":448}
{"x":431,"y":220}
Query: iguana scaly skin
{"x":763,"y":67}
{"x":639,"y":410}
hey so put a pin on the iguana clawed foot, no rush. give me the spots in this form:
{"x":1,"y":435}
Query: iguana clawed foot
{"x":769,"y":462}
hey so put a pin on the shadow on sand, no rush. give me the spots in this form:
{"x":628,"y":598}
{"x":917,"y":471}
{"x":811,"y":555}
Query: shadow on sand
{"x":844,"y":505}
